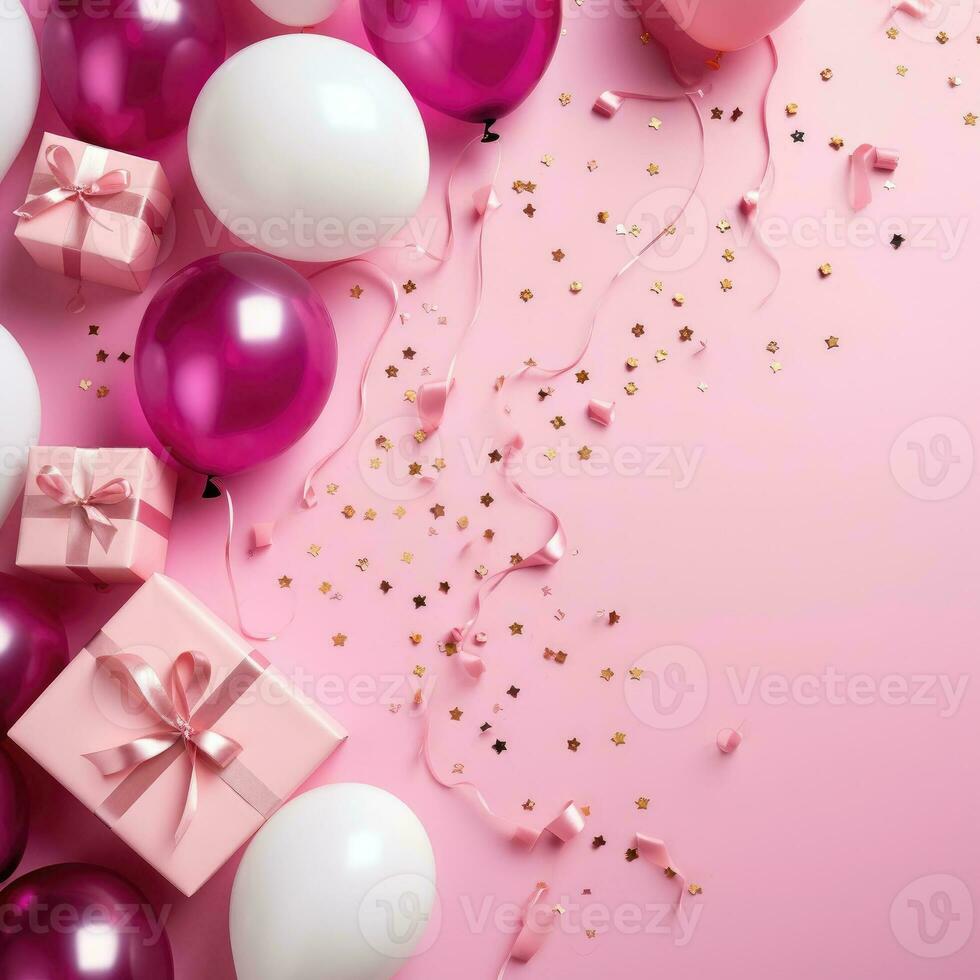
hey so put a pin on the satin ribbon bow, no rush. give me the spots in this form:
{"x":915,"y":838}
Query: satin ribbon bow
{"x":64,"y":171}
{"x":58,"y":487}
{"x":189,"y":680}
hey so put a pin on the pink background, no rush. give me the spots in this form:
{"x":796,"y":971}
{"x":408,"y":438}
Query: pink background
{"x":802,"y":542}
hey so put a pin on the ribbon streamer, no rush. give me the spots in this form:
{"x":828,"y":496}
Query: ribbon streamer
{"x":863,"y":160}
{"x":752,"y":197}
{"x":914,"y":8}
{"x":608,"y":104}
{"x":535,"y":928}
{"x":189,"y":680}
{"x":549,"y":554}
{"x":54,"y":484}
{"x":654,"y":851}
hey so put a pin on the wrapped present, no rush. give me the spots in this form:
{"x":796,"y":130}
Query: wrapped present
{"x":96,"y":515}
{"x":178,"y":734}
{"x":94,"y":214}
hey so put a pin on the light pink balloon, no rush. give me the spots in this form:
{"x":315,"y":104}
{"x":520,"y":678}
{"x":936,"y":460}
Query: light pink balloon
{"x":727,"y":25}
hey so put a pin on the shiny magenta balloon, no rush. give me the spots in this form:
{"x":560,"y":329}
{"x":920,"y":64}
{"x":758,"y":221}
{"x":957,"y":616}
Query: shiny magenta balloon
{"x":81,"y":922}
{"x":474,"y":61}
{"x":15,"y":813}
{"x":124,"y":73}
{"x":33,"y":648}
{"x":235,"y":360}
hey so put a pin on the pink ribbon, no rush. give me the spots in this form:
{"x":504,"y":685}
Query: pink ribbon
{"x":550,"y":553}
{"x":915,"y":8}
{"x":58,"y":487}
{"x":654,"y":851}
{"x":189,"y":681}
{"x":535,"y":929}
{"x":602,"y":412}
{"x":67,"y":187}
{"x":863,"y":160}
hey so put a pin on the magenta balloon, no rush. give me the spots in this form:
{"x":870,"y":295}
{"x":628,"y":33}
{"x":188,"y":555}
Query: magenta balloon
{"x":123,"y":73}
{"x":80,"y":922}
{"x":15,"y":813}
{"x":235,"y":360}
{"x":473,"y":61}
{"x":33,"y":649}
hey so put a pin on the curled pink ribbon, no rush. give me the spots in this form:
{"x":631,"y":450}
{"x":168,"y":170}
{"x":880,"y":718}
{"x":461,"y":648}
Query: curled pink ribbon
{"x":654,"y":851}
{"x":64,"y":171}
{"x":550,"y":553}
{"x":189,"y":680}
{"x":58,"y":487}
{"x":863,"y":160}
{"x":536,"y":925}
{"x":602,"y":412}
{"x":914,"y":8}
{"x":567,"y":825}
{"x":608,"y":104}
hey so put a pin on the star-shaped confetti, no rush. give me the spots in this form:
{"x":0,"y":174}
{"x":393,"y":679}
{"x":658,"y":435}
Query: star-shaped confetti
{"x":573,"y":744}
{"x":618,"y":738}
{"x":499,"y":746}
{"x":285,"y":582}
{"x":455,"y":713}
{"x":832,"y":342}
{"x":797,"y":136}
{"x":356,"y":292}
{"x":516,"y":629}
{"x":339,"y":639}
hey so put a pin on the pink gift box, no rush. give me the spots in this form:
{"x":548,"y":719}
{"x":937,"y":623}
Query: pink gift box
{"x":94,"y":214}
{"x":282,"y":735}
{"x":75,"y":527}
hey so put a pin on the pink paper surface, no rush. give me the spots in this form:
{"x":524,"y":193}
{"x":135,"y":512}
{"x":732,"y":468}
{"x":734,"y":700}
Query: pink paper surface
{"x":777,"y":524}
{"x":118,"y":250}
{"x":136,"y":551}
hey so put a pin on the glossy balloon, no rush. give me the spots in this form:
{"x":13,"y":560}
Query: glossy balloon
{"x":20,"y":416}
{"x":20,"y":81}
{"x":234,"y":361}
{"x":338,"y":885}
{"x":80,"y":922}
{"x":14,"y":816}
{"x":324,"y":159}
{"x":123,"y":74}
{"x":297,"y":13}
{"x":718,"y":25}
{"x":474,"y":61}
{"x":33,"y":649}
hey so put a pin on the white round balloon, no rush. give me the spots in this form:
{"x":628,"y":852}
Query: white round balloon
{"x":338,"y":885}
{"x":20,"y":80}
{"x":20,"y":419}
{"x":297,"y":13}
{"x":308,"y":148}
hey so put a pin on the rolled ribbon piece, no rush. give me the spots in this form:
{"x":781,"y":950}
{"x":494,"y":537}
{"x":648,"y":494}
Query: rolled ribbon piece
{"x":189,"y":680}
{"x":728,"y":740}
{"x":537,"y":924}
{"x":863,"y":160}
{"x":602,"y":412}
{"x":550,"y":553}
{"x":54,"y":484}
{"x":654,"y":851}
{"x":914,"y":8}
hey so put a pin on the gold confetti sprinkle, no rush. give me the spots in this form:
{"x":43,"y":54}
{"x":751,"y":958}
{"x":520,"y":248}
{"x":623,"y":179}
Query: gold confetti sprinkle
{"x":325,"y":587}
{"x":653,"y":169}
{"x":942,"y":37}
{"x":631,"y":388}
{"x":313,"y":550}
{"x":547,"y":159}
{"x":825,"y":270}
{"x":685,"y":334}
{"x":573,"y":744}
{"x":356,"y":292}
{"x":602,"y":217}
{"x":462,"y":523}
{"x":516,"y":629}
{"x":832,"y":341}
{"x":772,"y":347}
{"x":285,"y":582}
{"x":565,"y":98}
{"x":657,"y":287}
{"x":677,"y":299}
{"x":607,"y":673}
{"x":339,"y":639}
{"x":85,"y":384}
{"x":694,"y":889}
{"x":726,"y":285}
{"x":348,"y":512}
{"x":632,"y":363}
{"x":632,"y":854}
{"x":891,"y":33}
{"x":655,"y":123}
{"x":409,"y":286}
{"x":901,"y":70}
{"x":636,"y":673}
{"x":407,"y":557}
{"x":724,"y":225}
{"x":792,"y":108}
{"x":775,"y":367}
{"x":529,"y":210}
{"x":954,"y":81}
{"x":827,"y":74}
{"x":660,"y":356}
{"x":970,"y":119}
{"x":728,"y":255}
{"x":557,"y":255}
{"x":526,"y":295}
{"x":455,"y":713}
{"x":575,"y":286}
{"x":836,"y":142}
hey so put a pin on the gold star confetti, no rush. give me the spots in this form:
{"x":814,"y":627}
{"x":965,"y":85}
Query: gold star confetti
{"x":93,"y":330}
{"x":657,"y":287}
{"x":636,"y":673}
{"x":529,"y":210}
{"x":607,"y":673}
{"x":724,"y":225}
{"x":637,"y":329}
{"x":362,"y":564}
{"x":693,"y":889}
{"x":102,"y":356}
{"x":409,"y":286}
{"x":792,"y":108}
{"x":313,"y":550}
{"x":526,"y":295}
{"x":631,"y":854}
{"x":631,"y":388}
{"x":486,"y":499}
{"x":660,"y":356}
{"x":370,"y":514}
{"x":581,"y":377}
{"x":415,"y":639}
{"x":618,"y":738}
{"x":339,"y":639}
{"x":599,"y":841}
{"x":575,"y":286}
{"x":285,"y":582}
{"x":547,"y":159}
{"x":332,"y":488}
{"x":592,"y":165}
{"x":557,"y":422}
{"x":942,"y":37}
{"x":419,"y":670}
{"x":891,"y":33}
{"x":642,"y":803}
{"x":632,"y":363}
{"x":836,"y":142}
{"x":970,"y":119}
{"x":407,"y":557}
{"x":716,"y":113}
{"x":737,"y":114}
{"x":954,"y":81}
{"x":614,"y":617}
{"x":832,"y":342}
{"x":527,"y":804}
{"x":462,"y":523}
{"x":585,"y":453}
{"x":565,"y":98}
{"x":85,"y":384}
{"x":826,"y":74}
{"x":325,"y":587}
{"x":557,"y":255}
{"x":391,"y":371}
{"x":901,"y":70}
{"x":348,"y":512}
{"x":685,"y":333}
{"x":653,"y":169}
{"x":775,"y":367}
{"x":356,"y":292}
{"x":726,"y":285}
{"x":516,"y":629}
{"x":825,"y":270}
{"x":437,"y":511}
{"x":520,"y":186}
{"x":399,"y":512}
{"x":728,"y":255}
{"x":655,"y":123}
{"x":772,"y":347}
{"x":573,"y":744}
{"x":677,"y":299}
{"x":602,"y":217}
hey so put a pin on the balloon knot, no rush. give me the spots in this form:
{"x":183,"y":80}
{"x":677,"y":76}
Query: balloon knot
{"x":489,"y":137}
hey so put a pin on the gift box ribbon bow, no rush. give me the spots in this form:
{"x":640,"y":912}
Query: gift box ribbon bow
{"x":67,"y":186}
{"x":187,"y":714}
{"x":58,"y":487}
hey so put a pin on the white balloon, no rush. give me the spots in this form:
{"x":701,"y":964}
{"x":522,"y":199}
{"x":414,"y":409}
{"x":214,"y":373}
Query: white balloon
{"x":308,"y":148}
{"x":20,"y":80}
{"x":297,"y":13}
{"x":20,"y":419}
{"x":338,"y":885}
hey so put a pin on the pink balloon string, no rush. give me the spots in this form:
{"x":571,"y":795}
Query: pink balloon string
{"x":753,"y":197}
{"x":549,"y":554}
{"x":608,"y":104}
{"x":863,"y":160}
